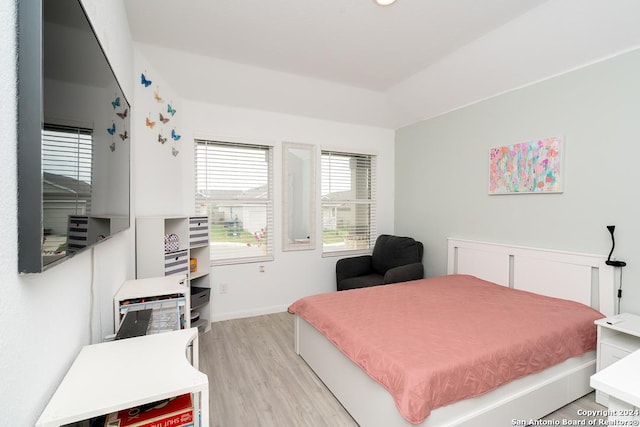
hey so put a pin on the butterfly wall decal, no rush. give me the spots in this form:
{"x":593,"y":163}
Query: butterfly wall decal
{"x":144,"y":81}
{"x":124,"y":135}
{"x":112,"y":146}
{"x":112,"y":129}
{"x":123,"y":114}
{"x":174,"y":151}
{"x":149,"y":123}
{"x":161,"y":139}
{"x":174,"y":135}
{"x":163,"y":119}
{"x":157,"y":97}
{"x":171,"y":110}
{"x":116,"y":102}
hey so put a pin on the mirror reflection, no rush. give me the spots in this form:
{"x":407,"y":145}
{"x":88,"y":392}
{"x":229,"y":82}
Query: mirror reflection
{"x":299,"y":196}
{"x":85,"y":137}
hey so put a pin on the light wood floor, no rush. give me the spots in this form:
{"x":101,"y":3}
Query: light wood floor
{"x":256,"y":379}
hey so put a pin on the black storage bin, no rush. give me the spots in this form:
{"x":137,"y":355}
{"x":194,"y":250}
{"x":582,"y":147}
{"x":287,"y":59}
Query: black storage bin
{"x":199,"y":296}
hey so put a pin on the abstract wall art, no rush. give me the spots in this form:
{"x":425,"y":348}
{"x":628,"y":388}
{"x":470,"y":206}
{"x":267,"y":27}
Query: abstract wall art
{"x":526,"y":167}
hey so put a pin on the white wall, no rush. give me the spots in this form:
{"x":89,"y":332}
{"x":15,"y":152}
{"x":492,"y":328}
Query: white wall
{"x":551,"y":39}
{"x":48,"y":317}
{"x":159,"y":174}
{"x":165,"y":183}
{"x":212,"y":80}
{"x":292,"y":274}
{"x":442,"y":170}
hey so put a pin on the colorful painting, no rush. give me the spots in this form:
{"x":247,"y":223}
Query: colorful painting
{"x":527,"y":167}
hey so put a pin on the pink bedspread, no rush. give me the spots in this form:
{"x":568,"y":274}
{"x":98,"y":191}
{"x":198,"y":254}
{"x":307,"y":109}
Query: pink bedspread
{"x":435,"y":341}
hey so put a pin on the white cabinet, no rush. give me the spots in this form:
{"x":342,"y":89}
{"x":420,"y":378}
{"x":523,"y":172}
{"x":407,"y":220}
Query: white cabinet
{"x":177,"y":246}
{"x":618,"y":337}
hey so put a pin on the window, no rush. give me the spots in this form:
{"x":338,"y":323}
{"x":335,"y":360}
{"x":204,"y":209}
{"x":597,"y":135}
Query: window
{"x":234,"y":188}
{"x":67,"y":172}
{"x":348,"y":202}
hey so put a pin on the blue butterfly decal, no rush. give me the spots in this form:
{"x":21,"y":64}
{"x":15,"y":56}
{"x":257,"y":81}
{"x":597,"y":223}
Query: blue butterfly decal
{"x":112,"y":129}
{"x":144,"y":81}
{"x":116,"y":103}
{"x":170,"y":110}
{"x":174,"y":135}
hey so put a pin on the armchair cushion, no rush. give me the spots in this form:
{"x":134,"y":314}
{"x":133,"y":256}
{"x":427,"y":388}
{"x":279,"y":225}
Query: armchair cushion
{"x":394,"y":251}
{"x":394,"y":259}
{"x":404,"y":273}
{"x":361,"y":282}
{"x":353,"y":267}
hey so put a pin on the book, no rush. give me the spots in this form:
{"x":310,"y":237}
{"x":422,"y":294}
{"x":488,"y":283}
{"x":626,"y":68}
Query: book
{"x":173,"y":412}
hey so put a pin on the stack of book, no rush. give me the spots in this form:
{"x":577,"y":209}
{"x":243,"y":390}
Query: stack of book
{"x":173,"y":412}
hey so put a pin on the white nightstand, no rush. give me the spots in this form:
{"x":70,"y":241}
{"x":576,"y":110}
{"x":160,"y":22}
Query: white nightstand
{"x":618,"y":336}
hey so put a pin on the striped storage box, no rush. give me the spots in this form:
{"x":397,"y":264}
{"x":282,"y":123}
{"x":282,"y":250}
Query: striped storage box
{"x":198,"y":231}
{"x":176,"y":263}
{"x":77,"y":232}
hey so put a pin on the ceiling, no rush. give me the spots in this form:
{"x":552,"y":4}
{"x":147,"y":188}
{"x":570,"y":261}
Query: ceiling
{"x":353,"y":42}
{"x":388,"y":66}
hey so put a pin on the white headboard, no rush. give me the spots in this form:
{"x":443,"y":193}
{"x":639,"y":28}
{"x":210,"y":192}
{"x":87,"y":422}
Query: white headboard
{"x":574,"y":276}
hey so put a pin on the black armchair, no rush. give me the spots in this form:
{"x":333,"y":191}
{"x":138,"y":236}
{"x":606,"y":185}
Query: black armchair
{"x":394,"y":259}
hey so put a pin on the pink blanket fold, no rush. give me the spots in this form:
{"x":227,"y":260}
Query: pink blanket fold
{"x":435,"y":341}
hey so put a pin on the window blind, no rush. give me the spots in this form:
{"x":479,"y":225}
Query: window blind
{"x":348,"y":201}
{"x":234,"y":189}
{"x":67,"y":172}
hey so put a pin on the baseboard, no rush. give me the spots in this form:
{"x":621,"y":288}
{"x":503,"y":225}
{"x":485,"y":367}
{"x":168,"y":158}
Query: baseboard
{"x":249,"y":313}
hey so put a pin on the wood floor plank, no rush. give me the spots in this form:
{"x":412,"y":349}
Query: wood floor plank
{"x":256,"y":379}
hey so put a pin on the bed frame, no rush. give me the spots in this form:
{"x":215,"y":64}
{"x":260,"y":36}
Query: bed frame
{"x":578,"y":277}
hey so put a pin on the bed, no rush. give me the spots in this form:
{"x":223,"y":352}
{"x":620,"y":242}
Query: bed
{"x":568,"y":279}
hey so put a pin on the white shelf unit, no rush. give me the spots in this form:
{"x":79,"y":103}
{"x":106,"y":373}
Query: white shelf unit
{"x":618,"y":337}
{"x":189,"y":240}
{"x":168,"y":296}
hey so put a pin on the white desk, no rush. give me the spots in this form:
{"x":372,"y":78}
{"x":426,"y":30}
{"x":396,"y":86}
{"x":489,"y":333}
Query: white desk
{"x":116,"y":375}
{"x":621,"y":381}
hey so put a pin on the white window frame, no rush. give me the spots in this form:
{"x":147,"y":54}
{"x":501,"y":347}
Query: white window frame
{"x":264,"y":237}
{"x":358,"y":243}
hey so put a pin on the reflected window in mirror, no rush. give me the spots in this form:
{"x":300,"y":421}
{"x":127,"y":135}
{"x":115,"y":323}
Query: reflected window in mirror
{"x":67,"y":171}
{"x":299,"y":200}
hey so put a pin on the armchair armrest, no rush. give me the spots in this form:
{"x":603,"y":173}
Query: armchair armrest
{"x":353,"y":267}
{"x":404,"y":273}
